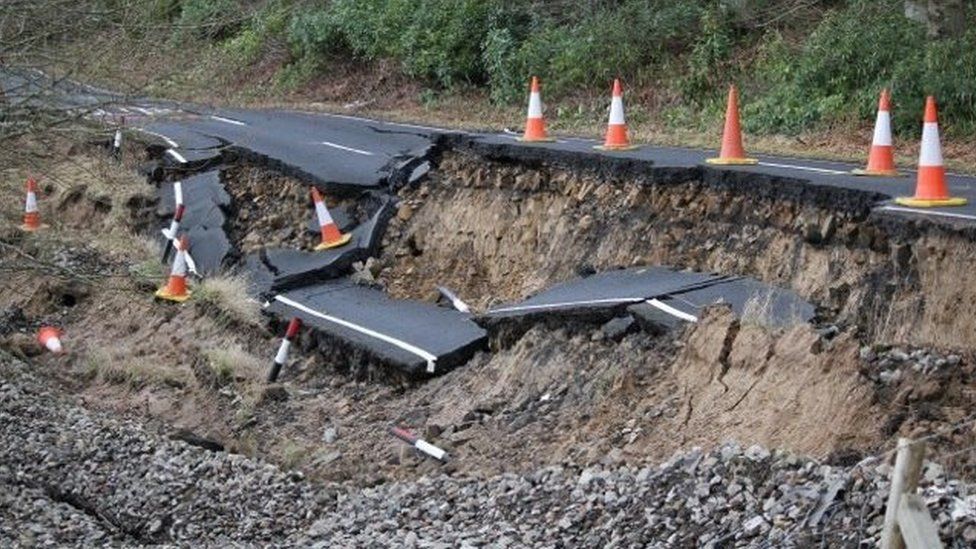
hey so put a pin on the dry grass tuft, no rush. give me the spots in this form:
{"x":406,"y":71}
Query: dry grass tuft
{"x":228,"y":295}
{"x":234,"y":364}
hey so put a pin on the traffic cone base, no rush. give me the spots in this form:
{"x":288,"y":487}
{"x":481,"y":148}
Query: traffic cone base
{"x":169,"y":295}
{"x":930,"y":202}
{"x":341,"y":241}
{"x":32,"y":222}
{"x":616,"y":148}
{"x":536,"y":140}
{"x":876,"y":173}
{"x":732,"y":161}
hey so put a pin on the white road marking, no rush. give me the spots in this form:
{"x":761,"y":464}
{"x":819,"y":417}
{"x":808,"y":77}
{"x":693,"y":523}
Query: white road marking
{"x":227,"y":120}
{"x":344,"y":148}
{"x":927,"y":212}
{"x":170,"y":142}
{"x":672,"y":311}
{"x":803,"y":168}
{"x":567,"y":304}
{"x":179,"y":157}
{"x":429,"y":357}
{"x":146,"y":112}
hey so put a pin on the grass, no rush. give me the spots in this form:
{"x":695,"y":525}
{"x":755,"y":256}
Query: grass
{"x":228,"y":296}
{"x":232,"y":364}
{"x":133,"y":373}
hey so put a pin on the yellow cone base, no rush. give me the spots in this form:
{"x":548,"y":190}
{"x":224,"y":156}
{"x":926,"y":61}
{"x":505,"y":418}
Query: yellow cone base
{"x":616,"y":148}
{"x":732,"y":161}
{"x":329,"y":245}
{"x":163,"y":293}
{"x":930,"y":202}
{"x":876,"y":173}
{"x":542,"y":140}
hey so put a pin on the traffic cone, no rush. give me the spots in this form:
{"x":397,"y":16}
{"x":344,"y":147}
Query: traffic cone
{"x":881,"y":159}
{"x":175,"y":289}
{"x":930,"y":187}
{"x":32,"y":216}
{"x":616,"y":139}
{"x":732,"y":153}
{"x":332,"y":237}
{"x":282,"y":356}
{"x":50,"y":338}
{"x":535,"y":125}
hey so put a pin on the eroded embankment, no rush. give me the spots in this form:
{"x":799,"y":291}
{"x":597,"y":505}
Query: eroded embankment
{"x":496,"y":229}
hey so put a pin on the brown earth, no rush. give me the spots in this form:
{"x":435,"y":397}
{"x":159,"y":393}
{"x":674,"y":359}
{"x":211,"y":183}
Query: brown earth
{"x":271,"y":209}
{"x":494,"y":231}
{"x":568,"y":394}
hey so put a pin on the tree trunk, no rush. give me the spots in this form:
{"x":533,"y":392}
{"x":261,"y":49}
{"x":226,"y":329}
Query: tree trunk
{"x":942,"y":18}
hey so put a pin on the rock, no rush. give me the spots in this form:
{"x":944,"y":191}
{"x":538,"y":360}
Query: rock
{"x":404,"y":212}
{"x":753,"y":526}
{"x":330,"y":434}
{"x":617,"y":328}
{"x":757,"y":453}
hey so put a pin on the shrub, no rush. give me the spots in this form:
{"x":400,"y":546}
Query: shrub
{"x":209,"y":19}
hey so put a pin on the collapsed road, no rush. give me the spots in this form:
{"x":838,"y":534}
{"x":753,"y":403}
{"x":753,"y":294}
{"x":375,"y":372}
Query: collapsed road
{"x":366,"y":162}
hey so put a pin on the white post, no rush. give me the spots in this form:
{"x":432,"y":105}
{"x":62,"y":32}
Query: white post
{"x":904,"y":480}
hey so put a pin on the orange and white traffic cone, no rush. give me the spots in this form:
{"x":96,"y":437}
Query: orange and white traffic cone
{"x":881,"y":159}
{"x":732,"y":152}
{"x":616,"y":139}
{"x":32,"y":216}
{"x":930,"y":188}
{"x":176,"y":287}
{"x":332,"y":237}
{"x":535,"y":124}
{"x":50,"y":338}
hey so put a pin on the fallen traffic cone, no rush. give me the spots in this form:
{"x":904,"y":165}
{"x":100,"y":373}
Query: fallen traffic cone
{"x":616,"y":139}
{"x":930,"y":187}
{"x":535,"y":125}
{"x":32,"y":216}
{"x":282,"y":356}
{"x":332,"y":237}
{"x":50,"y":338}
{"x":419,"y":443}
{"x":732,"y":152}
{"x":881,"y":159}
{"x":176,"y":289}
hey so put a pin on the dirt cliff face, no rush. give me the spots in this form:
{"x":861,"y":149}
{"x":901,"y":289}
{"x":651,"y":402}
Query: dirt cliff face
{"x":497,"y":231}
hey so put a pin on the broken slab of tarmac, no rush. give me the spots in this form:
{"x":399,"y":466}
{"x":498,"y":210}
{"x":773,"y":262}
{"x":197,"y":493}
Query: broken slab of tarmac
{"x":205,"y":219}
{"x":659,"y":297}
{"x":416,"y":337}
{"x":279,"y":269}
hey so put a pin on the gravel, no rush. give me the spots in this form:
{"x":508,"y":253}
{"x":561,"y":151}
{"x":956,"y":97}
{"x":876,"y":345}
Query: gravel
{"x":117,"y":482}
{"x":78,"y":478}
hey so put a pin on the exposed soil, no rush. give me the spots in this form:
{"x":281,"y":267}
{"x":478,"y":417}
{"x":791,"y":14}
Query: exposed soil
{"x":274,"y":210}
{"x":494,"y":230}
